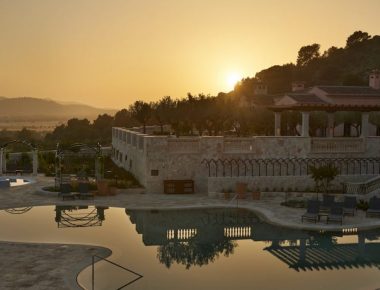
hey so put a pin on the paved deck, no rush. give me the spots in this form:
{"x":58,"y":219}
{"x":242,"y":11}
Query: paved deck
{"x":44,"y":266}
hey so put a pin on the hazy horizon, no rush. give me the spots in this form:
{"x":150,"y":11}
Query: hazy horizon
{"x":109,"y":54}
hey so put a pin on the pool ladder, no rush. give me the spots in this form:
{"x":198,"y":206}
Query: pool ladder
{"x":235,"y":197}
{"x":139,"y":276}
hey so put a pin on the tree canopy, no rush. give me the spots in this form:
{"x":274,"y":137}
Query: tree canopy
{"x":307,"y":53}
{"x":349,"y":65}
{"x":357,"y":37}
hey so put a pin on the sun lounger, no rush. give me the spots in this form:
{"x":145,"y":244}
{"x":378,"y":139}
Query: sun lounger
{"x":83,"y":191}
{"x":327,"y":202}
{"x":373,"y":207}
{"x":312,"y":211}
{"x":349,"y":205}
{"x":335,"y":215}
{"x":65,"y":191}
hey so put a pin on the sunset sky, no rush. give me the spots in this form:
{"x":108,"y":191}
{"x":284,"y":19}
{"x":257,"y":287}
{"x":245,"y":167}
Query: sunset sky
{"x":111,"y":53}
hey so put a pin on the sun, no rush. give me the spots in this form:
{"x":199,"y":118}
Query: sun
{"x":232,"y":79}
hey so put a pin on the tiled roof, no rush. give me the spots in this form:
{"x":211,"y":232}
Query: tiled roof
{"x":306,"y":98}
{"x":261,"y":100}
{"x":350,"y":90}
{"x":326,"y":107}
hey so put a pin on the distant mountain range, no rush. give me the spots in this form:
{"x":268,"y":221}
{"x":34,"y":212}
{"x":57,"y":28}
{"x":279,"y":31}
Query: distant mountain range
{"x":26,"y":108}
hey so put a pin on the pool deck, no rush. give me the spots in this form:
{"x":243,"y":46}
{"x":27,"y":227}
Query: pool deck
{"x":44,"y":266}
{"x":35,"y":266}
{"x":269,"y":209}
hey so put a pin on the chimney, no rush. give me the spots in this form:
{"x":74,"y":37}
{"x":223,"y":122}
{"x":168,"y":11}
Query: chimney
{"x":298,"y":86}
{"x":261,"y":89}
{"x":374,"y":79}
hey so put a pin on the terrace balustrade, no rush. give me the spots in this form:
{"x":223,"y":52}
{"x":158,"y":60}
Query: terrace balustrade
{"x":362,"y":187}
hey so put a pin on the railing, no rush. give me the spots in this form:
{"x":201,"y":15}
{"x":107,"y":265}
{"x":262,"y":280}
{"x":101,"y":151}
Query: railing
{"x":337,"y":145}
{"x":362,"y":187}
{"x":139,"y":276}
{"x":238,"y":232}
{"x":235,"y":197}
{"x":181,"y":234}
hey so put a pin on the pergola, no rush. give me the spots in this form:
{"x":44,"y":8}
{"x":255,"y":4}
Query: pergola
{"x":3,"y":161}
{"x":330,"y":109}
{"x":79,"y":216}
{"x":64,"y":151}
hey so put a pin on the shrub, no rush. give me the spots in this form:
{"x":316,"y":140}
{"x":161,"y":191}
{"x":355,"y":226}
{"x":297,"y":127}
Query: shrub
{"x":363,"y":205}
{"x":294,"y":203}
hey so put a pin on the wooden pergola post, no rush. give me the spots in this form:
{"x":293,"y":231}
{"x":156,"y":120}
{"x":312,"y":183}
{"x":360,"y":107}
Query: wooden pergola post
{"x":1,"y":160}
{"x":305,"y":124}
{"x":277,"y":123}
{"x":330,"y":124}
{"x":365,"y":123}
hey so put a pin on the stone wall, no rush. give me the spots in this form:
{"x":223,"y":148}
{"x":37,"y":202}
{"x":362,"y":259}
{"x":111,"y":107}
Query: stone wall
{"x":153,"y":159}
{"x":277,"y":183}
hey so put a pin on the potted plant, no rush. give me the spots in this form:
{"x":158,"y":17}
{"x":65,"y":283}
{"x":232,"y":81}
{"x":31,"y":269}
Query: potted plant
{"x":256,"y":194}
{"x":103,"y":188}
{"x":241,"y":190}
{"x":227,"y":193}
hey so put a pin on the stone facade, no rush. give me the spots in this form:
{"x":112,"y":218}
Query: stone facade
{"x":153,"y":159}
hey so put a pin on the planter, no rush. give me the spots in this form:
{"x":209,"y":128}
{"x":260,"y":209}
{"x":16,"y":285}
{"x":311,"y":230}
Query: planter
{"x":103,"y":188}
{"x":256,"y":195}
{"x":241,"y":190}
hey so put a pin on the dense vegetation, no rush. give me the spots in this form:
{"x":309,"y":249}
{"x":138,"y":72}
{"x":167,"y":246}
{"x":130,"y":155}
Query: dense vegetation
{"x":349,"y":65}
{"x":222,"y":114}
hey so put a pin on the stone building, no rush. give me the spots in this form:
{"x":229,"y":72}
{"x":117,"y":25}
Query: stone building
{"x":265,"y":163}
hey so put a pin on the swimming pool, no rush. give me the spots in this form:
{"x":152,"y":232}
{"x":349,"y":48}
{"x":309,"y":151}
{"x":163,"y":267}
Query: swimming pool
{"x":203,"y":249}
{"x":12,"y":181}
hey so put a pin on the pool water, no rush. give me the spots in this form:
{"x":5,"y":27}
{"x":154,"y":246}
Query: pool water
{"x":202,"y":249}
{"x":11,"y":182}
{"x":18,"y":181}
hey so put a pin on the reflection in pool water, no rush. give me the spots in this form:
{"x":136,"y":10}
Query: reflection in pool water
{"x":204,"y":249}
{"x":79,"y":216}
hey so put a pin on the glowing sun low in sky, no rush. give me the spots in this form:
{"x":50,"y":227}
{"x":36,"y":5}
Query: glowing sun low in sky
{"x":232,"y":79}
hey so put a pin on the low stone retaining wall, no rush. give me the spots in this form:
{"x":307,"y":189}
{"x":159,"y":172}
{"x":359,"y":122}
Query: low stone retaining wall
{"x":278,"y":183}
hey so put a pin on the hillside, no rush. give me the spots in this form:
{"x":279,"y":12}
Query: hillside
{"x":349,"y":65}
{"x":35,"y":109}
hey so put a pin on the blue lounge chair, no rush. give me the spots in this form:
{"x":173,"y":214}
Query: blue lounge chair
{"x":373,"y":207}
{"x":83,"y":191}
{"x":312,"y":211}
{"x":349,"y":205}
{"x":335,"y":215}
{"x":327,"y":203}
{"x":65,"y":191}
